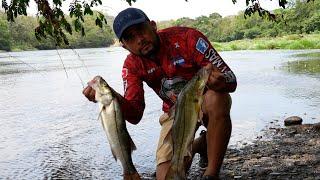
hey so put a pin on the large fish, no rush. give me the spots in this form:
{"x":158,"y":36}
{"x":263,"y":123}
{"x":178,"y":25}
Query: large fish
{"x":186,"y":115}
{"x":115,"y":127}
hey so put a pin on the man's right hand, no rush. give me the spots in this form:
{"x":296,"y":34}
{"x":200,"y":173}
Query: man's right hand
{"x":89,"y":93}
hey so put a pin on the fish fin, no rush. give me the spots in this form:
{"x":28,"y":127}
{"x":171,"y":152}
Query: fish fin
{"x":200,"y":109}
{"x":100,"y":113}
{"x":113,"y":154}
{"x":133,"y":146}
{"x":176,"y":172}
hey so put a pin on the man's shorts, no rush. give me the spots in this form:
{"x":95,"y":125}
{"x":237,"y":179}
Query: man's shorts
{"x":164,"y":150}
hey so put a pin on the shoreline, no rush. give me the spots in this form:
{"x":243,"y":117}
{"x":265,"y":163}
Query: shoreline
{"x":288,"y":42}
{"x":291,"y":152}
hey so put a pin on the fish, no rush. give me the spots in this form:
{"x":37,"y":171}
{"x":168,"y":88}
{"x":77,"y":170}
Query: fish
{"x":186,"y":114}
{"x":114,"y":126}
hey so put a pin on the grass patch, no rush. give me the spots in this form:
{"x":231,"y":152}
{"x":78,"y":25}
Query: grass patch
{"x":294,"y":41}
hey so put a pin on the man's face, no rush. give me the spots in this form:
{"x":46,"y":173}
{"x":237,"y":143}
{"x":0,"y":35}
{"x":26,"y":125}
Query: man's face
{"x":141,"y":39}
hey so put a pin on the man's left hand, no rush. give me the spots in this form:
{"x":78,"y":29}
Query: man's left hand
{"x":216,"y":81}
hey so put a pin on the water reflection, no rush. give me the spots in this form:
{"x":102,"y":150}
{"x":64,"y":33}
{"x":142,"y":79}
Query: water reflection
{"x":310,"y":64}
{"x":50,"y":131}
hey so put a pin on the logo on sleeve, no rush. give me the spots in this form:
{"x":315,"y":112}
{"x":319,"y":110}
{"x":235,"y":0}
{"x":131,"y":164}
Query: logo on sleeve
{"x":124,"y":72}
{"x":202,"y":45}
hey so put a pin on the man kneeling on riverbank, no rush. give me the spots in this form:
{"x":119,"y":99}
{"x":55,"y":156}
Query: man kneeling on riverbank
{"x":166,"y":60}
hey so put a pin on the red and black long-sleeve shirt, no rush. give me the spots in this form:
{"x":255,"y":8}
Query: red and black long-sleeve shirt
{"x":183,"y":51}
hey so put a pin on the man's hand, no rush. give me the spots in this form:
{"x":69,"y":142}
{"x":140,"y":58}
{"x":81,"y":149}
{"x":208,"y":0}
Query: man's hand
{"x":216,"y":81}
{"x":89,"y":93}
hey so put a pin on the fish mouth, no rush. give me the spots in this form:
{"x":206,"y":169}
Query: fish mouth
{"x":204,"y":74}
{"x":95,"y":81}
{"x":99,"y":84}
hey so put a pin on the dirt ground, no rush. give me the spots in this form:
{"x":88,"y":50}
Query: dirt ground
{"x":283,"y":153}
{"x":279,"y":153}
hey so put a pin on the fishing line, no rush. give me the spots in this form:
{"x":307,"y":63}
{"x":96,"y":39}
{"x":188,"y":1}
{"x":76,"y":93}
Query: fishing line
{"x":80,"y":59}
{"x":83,"y":65}
{"x":12,"y":57}
{"x":62,"y":61}
{"x":78,"y":75}
{"x":82,"y":83}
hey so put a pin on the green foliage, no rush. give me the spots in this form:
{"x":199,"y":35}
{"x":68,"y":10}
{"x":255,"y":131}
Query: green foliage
{"x":299,"y":18}
{"x":313,"y":23}
{"x":19,"y":35}
{"x":252,"y":33}
{"x":53,"y":24}
{"x":5,"y":36}
{"x":307,"y":41}
{"x":51,"y":19}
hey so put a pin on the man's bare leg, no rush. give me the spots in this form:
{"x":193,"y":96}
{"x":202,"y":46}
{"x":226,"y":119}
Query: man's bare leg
{"x":162,"y":170}
{"x":216,"y":106}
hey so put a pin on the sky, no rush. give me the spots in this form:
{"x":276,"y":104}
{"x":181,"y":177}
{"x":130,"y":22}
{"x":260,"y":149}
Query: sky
{"x":159,"y":10}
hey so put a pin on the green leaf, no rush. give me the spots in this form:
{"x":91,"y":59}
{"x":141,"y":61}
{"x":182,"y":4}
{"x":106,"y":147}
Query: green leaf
{"x":82,"y":31}
{"x":87,"y":10}
{"x":57,"y":2}
{"x":77,"y":25}
{"x":282,"y":3}
{"x":5,"y":5}
{"x":98,"y":22}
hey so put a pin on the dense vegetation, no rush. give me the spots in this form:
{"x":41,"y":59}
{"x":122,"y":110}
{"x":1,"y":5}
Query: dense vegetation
{"x":52,"y":21}
{"x":297,"y":27}
{"x":19,"y":35}
{"x":300,"y":18}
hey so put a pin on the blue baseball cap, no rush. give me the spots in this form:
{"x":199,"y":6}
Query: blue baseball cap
{"x":127,"y":18}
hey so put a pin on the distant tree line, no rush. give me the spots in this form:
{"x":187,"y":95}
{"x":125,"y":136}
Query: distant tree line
{"x":19,"y":35}
{"x":298,"y":18}
{"x":53,"y":22}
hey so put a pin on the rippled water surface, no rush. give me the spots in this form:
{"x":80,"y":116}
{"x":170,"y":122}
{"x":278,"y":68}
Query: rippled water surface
{"x":49,"y":130}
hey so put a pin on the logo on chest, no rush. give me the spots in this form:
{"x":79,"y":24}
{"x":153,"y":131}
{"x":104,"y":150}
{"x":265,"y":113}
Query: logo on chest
{"x":178,"y":61}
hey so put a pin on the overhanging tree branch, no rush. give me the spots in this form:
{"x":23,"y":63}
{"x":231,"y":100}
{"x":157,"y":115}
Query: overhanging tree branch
{"x":52,"y":21}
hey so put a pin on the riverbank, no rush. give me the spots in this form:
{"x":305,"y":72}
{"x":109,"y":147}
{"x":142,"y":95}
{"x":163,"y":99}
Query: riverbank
{"x":294,"y":41}
{"x":281,"y":153}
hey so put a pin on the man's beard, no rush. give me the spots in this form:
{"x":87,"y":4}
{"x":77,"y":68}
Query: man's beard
{"x":154,"y":50}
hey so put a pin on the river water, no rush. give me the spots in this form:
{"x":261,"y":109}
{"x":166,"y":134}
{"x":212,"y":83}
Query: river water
{"x":50,"y":131}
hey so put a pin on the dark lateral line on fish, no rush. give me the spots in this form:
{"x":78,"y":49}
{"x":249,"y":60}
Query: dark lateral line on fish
{"x":117,"y":128}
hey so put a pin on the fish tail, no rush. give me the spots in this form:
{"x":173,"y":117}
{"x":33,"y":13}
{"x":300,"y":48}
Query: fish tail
{"x":175,"y":173}
{"x":132,"y":145}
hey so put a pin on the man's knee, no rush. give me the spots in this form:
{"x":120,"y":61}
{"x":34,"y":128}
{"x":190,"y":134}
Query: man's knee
{"x":216,"y":103}
{"x":162,"y":170}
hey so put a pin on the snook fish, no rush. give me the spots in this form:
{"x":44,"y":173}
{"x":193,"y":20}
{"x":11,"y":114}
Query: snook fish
{"x":186,"y":114}
{"x":115,"y":127}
